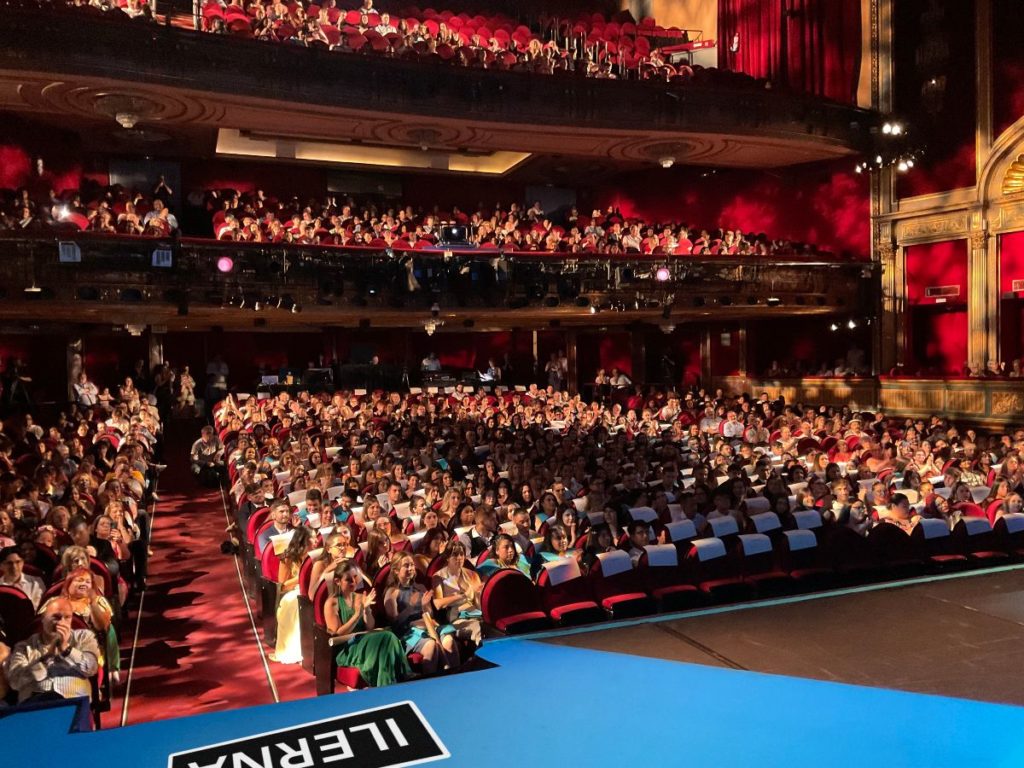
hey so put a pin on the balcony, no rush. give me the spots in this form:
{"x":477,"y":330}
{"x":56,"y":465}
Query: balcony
{"x":62,"y":64}
{"x":972,"y":401}
{"x":199,"y":283}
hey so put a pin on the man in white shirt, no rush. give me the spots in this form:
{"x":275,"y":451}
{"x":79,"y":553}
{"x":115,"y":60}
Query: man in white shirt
{"x":12,"y":574}
{"x":431,"y":363}
{"x":57,"y":661}
{"x":733,"y":427}
{"x":86,"y":392}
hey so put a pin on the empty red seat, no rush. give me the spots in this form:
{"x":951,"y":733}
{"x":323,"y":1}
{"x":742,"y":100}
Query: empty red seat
{"x":511,"y":603}
{"x":975,"y":538}
{"x":801,"y":557}
{"x":566,"y":595}
{"x":665,"y":580}
{"x":714,"y":573}
{"x":758,"y":566}
{"x":932,"y":539}
{"x":618,"y":588}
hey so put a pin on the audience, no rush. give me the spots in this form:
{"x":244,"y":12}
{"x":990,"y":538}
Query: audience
{"x":258,"y":218}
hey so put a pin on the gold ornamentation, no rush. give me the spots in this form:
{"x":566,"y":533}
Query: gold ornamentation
{"x":979,"y":241}
{"x":932,"y":227}
{"x":1007,"y":403}
{"x":1013,"y":179}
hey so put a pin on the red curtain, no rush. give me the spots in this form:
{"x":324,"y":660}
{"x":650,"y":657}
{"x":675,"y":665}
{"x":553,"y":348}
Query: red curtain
{"x":810,"y":45}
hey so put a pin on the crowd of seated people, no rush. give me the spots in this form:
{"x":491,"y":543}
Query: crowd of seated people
{"x":421,"y":500}
{"x":74,"y":540}
{"x":588,"y":45}
{"x":332,"y":221}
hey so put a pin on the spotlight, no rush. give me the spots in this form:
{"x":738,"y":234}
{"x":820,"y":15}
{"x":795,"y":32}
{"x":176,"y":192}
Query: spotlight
{"x":225,"y":264}
{"x":897,"y":129}
{"x":833,"y":327}
{"x":887,"y":128}
{"x":773,"y":301}
{"x":593,"y":309}
{"x":666,"y":162}
{"x":662,"y":275}
{"x":858,"y":168}
{"x":910,"y":163}
{"x":902,"y":166}
{"x":878,"y":160}
{"x":852,"y":324}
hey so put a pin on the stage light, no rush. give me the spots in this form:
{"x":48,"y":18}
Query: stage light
{"x":662,"y":275}
{"x":852,"y":324}
{"x":902,"y":166}
{"x":225,"y":264}
{"x":773,"y":301}
{"x":897,"y":129}
{"x":667,"y":162}
{"x":887,"y":128}
{"x":833,"y":327}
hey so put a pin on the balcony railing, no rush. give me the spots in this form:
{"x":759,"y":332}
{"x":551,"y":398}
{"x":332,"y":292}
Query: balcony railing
{"x":59,"y":42}
{"x":105,"y":267}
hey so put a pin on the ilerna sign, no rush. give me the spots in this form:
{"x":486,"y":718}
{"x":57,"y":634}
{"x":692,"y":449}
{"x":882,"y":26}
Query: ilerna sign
{"x":386,"y":737}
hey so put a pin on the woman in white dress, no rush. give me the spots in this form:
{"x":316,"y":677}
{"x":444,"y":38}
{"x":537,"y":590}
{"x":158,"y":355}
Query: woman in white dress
{"x":289,"y":645}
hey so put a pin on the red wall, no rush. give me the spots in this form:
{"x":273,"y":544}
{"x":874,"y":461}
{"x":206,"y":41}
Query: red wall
{"x":936,"y":264}
{"x":65,"y":163}
{"x":936,"y":339}
{"x":1011,"y":260}
{"x":948,"y":129}
{"x":607,"y":350}
{"x":1008,"y":64}
{"x":725,"y":360}
{"x":822,"y":203}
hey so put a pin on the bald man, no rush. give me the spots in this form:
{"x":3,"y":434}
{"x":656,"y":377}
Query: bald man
{"x":57,"y":661}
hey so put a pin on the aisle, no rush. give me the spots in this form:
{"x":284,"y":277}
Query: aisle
{"x":196,"y":650}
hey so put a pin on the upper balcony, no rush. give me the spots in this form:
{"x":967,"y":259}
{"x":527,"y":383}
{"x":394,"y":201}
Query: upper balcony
{"x":71,"y":65}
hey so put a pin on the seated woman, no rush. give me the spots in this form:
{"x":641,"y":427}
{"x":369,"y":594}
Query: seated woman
{"x":337,"y":548}
{"x":503,"y":555}
{"x":599,"y":541}
{"x":457,"y":591}
{"x":408,"y":607}
{"x":389,"y":526}
{"x":89,"y":604}
{"x":556,"y":545}
{"x":288,"y":649}
{"x":378,"y":553}
{"x":900,"y":514}
{"x":378,"y":655}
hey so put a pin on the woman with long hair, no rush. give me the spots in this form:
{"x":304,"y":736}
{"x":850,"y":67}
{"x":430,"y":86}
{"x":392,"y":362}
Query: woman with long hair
{"x":288,"y":649}
{"x":410,"y":610}
{"x":376,"y":653}
{"x":457,"y":591}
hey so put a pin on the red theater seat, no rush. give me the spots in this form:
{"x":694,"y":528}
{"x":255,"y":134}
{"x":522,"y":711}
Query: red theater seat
{"x":511,"y":603}
{"x":618,"y":588}
{"x":566,"y":595}
{"x":664,"y":579}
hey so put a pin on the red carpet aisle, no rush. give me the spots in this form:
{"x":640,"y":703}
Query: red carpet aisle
{"x":196,"y":650}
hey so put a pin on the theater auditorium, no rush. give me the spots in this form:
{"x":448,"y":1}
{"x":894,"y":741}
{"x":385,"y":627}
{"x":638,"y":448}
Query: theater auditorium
{"x":594,"y":381}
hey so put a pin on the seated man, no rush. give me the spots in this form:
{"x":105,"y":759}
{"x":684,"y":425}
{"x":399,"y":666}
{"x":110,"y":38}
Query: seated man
{"x":207,"y":458}
{"x":281,"y":515}
{"x":12,"y":574}
{"x":57,"y":661}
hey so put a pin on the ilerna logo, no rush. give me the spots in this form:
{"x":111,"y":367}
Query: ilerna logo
{"x":386,"y":737}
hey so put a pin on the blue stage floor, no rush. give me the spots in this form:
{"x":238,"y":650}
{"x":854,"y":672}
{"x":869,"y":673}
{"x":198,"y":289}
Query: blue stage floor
{"x":547,"y":705}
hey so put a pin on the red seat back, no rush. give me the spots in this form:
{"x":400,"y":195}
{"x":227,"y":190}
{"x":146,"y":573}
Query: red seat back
{"x":17,"y":613}
{"x":256,"y":521}
{"x":270,"y":564}
{"x":508,"y":592}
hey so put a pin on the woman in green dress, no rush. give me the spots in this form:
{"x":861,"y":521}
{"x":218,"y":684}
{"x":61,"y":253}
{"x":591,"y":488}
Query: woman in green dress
{"x":378,"y":655}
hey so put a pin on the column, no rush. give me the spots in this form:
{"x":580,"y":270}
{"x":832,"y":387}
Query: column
{"x":705,"y":357}
{"x":983,"y":73}
{"x":889,"y":338}
{"x":982,"y":302}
